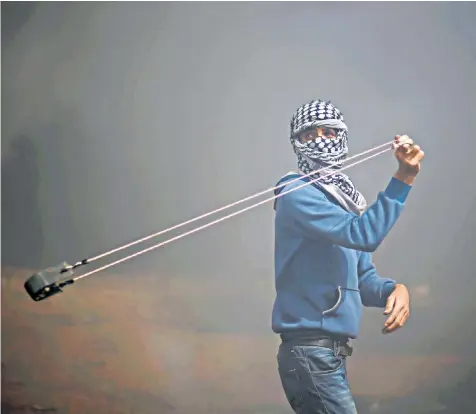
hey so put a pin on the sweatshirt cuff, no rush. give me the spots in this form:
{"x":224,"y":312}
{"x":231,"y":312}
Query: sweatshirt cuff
{"x":397,"y":190}
{"x":388,"y":288}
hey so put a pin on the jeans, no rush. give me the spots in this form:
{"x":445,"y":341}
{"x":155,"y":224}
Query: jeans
{"x":314,"y":379}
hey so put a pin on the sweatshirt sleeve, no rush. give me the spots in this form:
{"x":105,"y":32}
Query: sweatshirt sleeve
{"x":314,"y":215}
{"x":374,"y":290}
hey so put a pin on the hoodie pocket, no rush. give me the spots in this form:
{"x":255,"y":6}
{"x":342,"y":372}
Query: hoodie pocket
{"x":346,"y":308}
{"x":337,"y":304}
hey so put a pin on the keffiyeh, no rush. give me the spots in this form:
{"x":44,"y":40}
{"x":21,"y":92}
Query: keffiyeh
{"x":328,"y":153}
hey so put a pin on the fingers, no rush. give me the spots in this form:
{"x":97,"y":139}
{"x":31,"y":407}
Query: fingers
{"x":397,"y":308}
{"x":403,"y":142}
{"x":406,"y":147}
{"x":390,"y":304}
{"x":399,"y":321}
{"x":399,"y":302}
{"x":398,"y":317}
{"x":416,"y":153}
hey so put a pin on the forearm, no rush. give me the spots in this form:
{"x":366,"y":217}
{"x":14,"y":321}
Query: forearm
{"x":374,"y":290}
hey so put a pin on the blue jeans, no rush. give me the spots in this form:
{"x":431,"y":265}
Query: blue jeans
{"x":314,"y":379}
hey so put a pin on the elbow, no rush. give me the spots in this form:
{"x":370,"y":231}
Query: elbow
{"x":365,"y":239}
{"x":370,"y":236}
{"x":369,"y":247}
{"x":372,"y":247}
{"x":372,"y":242}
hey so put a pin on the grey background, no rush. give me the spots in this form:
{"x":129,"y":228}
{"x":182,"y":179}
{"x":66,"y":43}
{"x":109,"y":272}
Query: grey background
{"x":121,"y":119}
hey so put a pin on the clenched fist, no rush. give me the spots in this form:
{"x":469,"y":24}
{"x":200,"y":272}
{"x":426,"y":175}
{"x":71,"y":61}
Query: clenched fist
{"x":408,"y":156}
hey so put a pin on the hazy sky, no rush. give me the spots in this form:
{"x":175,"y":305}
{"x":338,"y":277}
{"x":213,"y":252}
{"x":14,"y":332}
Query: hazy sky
{"x":147,"y":114}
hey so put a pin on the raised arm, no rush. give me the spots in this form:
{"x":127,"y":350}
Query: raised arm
{"x":313,"y":214}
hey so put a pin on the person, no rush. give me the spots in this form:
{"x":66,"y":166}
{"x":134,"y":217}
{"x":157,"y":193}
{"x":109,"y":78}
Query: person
{"x":324,"y":238}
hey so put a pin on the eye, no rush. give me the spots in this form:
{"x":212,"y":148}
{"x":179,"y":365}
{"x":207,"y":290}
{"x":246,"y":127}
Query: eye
{"x":330,"y":132}
{"x":310,"y":134}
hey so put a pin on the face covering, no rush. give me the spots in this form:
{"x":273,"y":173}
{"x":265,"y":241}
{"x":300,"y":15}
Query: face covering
{"x":328,"y":153}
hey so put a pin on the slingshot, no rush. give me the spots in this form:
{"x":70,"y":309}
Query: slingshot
{"x":50,"y":281}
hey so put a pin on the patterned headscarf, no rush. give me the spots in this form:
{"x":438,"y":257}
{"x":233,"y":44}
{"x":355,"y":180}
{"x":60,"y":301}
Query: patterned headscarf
{"x":324,"y":152}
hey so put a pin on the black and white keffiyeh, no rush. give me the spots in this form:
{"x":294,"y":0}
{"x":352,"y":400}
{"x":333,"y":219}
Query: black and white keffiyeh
{"x":324,"y":152}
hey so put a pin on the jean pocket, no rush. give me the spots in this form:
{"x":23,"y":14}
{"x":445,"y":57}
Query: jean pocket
{"x":321,"y":360}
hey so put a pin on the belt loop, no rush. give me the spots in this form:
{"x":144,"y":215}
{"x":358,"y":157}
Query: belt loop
{"x":336,"y":347}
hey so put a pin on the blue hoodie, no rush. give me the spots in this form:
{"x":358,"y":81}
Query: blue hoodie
{"x":323,"y":263}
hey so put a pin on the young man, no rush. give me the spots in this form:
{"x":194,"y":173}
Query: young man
{"x":325,"y":234}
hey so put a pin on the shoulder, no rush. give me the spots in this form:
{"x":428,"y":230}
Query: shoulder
{"x":296,"y":189}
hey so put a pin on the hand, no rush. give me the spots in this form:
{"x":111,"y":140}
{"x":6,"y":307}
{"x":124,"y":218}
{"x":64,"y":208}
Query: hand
{"x":409,"y":157}
{"x":398,"y":303}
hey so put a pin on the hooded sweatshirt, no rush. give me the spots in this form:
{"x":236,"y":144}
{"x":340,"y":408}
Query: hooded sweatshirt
{"x":323,"y":265}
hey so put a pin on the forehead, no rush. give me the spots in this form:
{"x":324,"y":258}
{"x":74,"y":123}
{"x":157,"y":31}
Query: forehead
{"x":312,"y":113}
{"x":324,"y":129}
